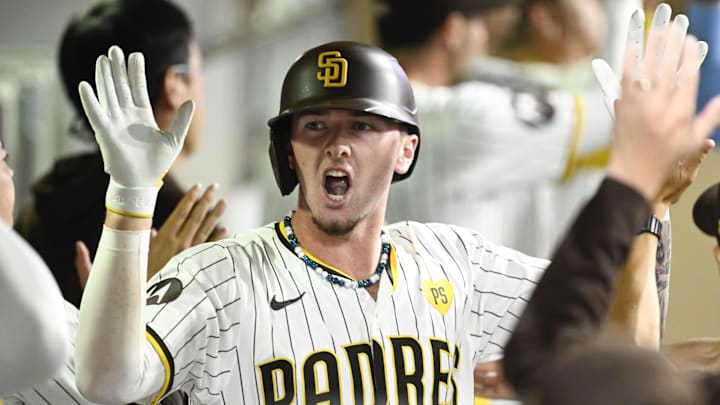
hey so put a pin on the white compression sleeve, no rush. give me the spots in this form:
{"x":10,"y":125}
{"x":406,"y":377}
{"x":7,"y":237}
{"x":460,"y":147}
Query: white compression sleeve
{"x":111,"y":353}
{"x":33,"y":336}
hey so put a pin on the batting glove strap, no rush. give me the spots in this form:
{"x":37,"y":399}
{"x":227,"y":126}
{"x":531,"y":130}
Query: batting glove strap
{"x":136,"y":202}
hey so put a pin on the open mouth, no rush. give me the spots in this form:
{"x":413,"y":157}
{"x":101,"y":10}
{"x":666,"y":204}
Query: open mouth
{"x":337,"y":184}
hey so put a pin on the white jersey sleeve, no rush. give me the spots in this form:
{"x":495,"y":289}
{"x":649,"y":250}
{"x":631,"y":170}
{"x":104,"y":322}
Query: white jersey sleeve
{"x":197,"y":336}
{"x":35,"y":336}
{"x":59,"y":389}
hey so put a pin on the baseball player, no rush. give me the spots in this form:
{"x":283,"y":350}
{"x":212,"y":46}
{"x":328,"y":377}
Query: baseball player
{"x":33,"y":336}
{"x":326,"y":304}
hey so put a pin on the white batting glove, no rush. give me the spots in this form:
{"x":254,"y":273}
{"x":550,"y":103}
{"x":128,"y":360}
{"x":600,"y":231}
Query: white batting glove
{"x":136,"y":154}
{"x":645,"y":65}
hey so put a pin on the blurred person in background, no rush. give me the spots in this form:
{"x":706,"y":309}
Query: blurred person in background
{"x":68,"y":202}
{"x":504,"y":135}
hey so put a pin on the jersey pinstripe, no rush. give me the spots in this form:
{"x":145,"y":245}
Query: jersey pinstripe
{"x":244,"y":321}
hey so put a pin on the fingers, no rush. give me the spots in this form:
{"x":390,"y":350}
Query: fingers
{"x":708,"y":119}
{"x":702,"y":52}
{"x":120,"y":76}
{"x":608,"y":83}
{"x":182,"y":121}
{"x":106,"y":78}
{"x":656,"y":41}
{"x":636,"y":40}
{"x":628,"y":75}
{"x":674,"y":46}
{"x":100,"y":84}
{"x":179,"y":215}
{"x":220,"y":232}
{"x":93,"y":109}
{"x":194,"y":219}
{"x":138,"y":82}
{"x":211,"y":220}
{"x":83,"y":265}
{"x":688,"y":77}
{"x":193,"y":224}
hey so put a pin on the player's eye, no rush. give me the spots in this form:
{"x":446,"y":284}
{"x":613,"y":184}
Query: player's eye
{"x":362,"y":126}
{"x":315,"y":125}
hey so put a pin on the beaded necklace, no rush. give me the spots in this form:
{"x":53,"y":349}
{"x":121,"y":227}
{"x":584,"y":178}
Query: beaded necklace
{"x":341,"y":281}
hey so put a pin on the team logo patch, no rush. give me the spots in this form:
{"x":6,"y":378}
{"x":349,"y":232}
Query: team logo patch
{"x":164,"y":291}
{"x":334,"y":69}
{"x":439,"y":293}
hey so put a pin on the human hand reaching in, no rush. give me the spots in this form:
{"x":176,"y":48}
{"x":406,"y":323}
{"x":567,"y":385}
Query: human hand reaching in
{"x":644,"y":54}
{"x":193,"y":221}
{"x":656,"y":127}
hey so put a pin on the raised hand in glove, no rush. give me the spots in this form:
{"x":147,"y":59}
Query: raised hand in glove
{"x":646,"y":65}
{"x":136,"y":153}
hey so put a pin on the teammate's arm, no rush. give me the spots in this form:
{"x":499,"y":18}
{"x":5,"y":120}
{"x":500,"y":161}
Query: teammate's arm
{"x":641,"y":290}
{"x":34,"y":336}
{"x":655,"y":128}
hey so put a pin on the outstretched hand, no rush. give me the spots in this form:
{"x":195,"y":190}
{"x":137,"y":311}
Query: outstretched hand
{"x":656,"y":127}
{"x":193,"y":221}
{"x":644,"y":55}
{"x":136,"y":153}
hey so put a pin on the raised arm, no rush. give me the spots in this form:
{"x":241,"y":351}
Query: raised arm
{"x":655,"y":128}
{"x":115,"y":364}
{"x":640,"y":301}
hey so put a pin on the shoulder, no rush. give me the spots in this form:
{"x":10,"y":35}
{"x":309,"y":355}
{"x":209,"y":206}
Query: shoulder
{"x":237,"y":247}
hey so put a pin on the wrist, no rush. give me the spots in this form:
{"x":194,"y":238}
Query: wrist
{"x":653,"y":225}
{"x":660,"y":210}
{"x":137,"y":202}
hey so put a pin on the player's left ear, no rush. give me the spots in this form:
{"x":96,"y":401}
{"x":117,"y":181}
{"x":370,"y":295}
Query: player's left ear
{"x":406,"y":154}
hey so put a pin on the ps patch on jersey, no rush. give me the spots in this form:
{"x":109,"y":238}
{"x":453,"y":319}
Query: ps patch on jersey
{"x":164,"y":291}
{"x":439,"y":293}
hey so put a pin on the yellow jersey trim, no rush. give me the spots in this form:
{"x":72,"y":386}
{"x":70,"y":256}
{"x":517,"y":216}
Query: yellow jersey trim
{"x":164,"y":359}
{"x":128,"y":214}
{"x":576,"y":138}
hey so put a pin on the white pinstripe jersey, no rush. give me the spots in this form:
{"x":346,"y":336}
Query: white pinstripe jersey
{"x":60,"y":389}
{"x":244,"y":321}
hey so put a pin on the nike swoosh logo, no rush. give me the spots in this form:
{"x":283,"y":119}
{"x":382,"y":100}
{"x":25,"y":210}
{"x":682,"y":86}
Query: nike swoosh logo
{"x":278,"y":305}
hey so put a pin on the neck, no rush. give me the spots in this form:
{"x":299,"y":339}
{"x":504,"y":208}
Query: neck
{"x":429,"y":65}
{"x":355,"y":253}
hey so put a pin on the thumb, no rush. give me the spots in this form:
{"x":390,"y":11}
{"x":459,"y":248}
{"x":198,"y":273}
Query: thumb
{"x":609,"y":84}
{"x":180,"y":124}
{"x":708,"y":119}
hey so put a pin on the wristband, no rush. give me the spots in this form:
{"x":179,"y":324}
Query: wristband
{"x":136,"y":202}
{"x":653,"y":226}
